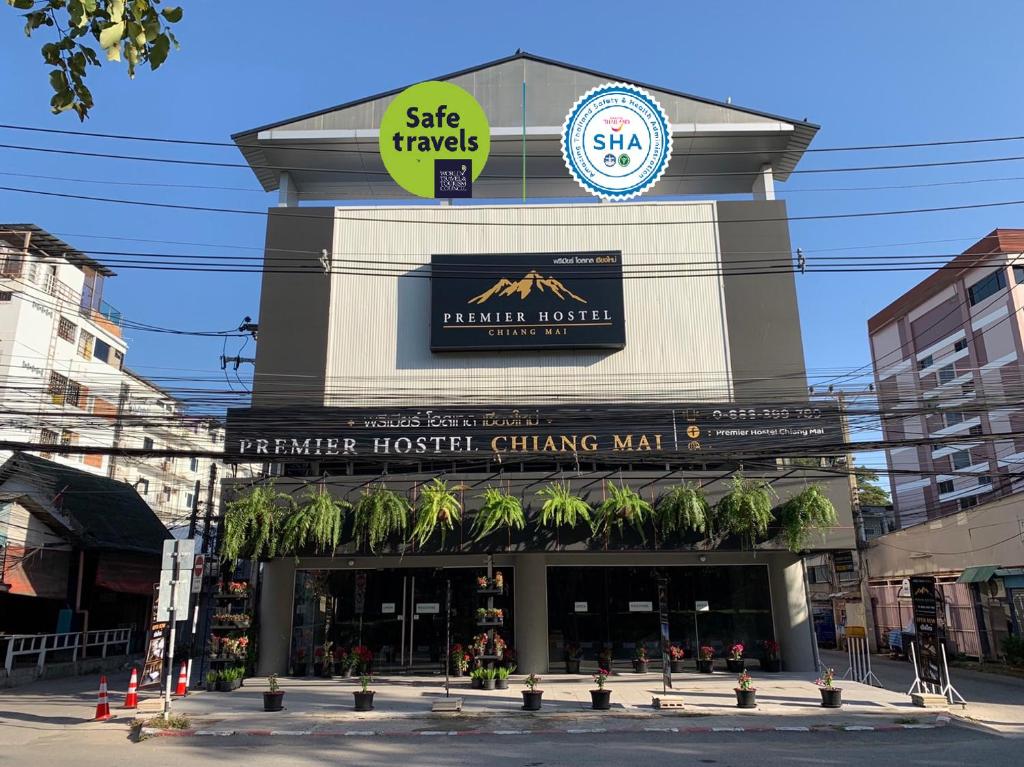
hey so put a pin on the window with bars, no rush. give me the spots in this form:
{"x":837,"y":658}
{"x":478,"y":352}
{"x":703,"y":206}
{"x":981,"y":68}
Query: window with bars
{"x":946,"y":374}
{"x":6,"y":296}
{"x":168,"y":492}
{"x":58,"y":388}
{"x":66,"y":329}
{"x":48,"y":437}
{"x":85,"y":344}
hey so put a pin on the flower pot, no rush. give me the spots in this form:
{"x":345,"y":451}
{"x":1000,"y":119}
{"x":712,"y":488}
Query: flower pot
{"x":735,"y":665}
{"x":705,"y":666}
{"x":640,"y":666}
{"x":746,"y":698}
{"x":831,"y":697}
{"x":500,"y":684}
{"x":600,"y":700}
{"x":273,"y":701}
{"x":676,"y":666}
{"x":211,"y":686}
{"x":572,"y":665}
{"x":488,"y":684}
{"x":363,"y":700}
{"x":224,"y":685}
{"x":531,"y":700}
{"x":236,"y":683}
{"x":299,"y":669}
{"x":476,"y":684}
{"x":772,"y":666}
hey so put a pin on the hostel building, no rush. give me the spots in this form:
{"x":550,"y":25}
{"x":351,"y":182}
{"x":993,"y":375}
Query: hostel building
{"x":508,"y":342}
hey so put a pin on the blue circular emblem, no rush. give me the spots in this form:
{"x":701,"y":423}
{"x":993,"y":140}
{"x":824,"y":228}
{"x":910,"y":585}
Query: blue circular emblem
{"x":616,"y":141}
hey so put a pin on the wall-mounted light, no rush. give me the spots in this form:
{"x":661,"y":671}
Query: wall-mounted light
{"x":351,"y":563}
{"x":703,"y":557}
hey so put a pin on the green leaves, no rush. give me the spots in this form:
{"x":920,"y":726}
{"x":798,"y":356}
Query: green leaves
{"x":437,"y":508}
{"x":137,"y":30}
{"x":746,"y":510}
{"x":806,"y":514}
{"x":379,"y":514}
{"x":316,"y":523}
{"x":561,"y":508}
{"x":683,"y":509}
{"x":251,"y":524}
{"x":499,"y":510}
{"x":623,"y":506}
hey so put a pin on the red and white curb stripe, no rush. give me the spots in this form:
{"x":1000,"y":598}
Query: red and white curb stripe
{"x":940,"y":721}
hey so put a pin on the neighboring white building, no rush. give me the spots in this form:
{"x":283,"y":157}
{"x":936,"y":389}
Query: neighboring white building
{"x":61,"y":349}
{"x":154,"y":419}
{"x":64,"y":382}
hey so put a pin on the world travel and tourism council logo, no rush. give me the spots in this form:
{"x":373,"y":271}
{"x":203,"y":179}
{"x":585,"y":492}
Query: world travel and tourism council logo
{"x":616,"y":141}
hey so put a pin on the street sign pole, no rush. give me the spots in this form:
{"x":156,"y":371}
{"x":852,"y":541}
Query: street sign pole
{"x":170,"y":645}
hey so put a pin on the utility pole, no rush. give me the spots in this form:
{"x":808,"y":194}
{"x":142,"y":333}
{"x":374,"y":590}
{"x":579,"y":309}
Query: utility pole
{"x":122,"y":402}
{"x":205,"y":593}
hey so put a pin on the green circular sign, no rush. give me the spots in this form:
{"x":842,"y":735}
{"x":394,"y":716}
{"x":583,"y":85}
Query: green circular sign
{"x":429,"y":134}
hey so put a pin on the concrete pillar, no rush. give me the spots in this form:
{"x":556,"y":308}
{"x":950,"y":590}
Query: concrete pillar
{"x":276,"y":597}
{"x":287,"y":192}
{"x":531,"y":613}
{"x":791,"y":613}
{"x":764,"y":184}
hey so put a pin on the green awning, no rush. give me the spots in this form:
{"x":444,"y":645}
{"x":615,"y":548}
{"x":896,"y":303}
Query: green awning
{"x":981,"y":574}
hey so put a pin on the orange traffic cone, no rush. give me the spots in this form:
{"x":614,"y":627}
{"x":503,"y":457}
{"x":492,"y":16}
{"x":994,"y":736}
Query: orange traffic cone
{"x":182,"y":690}
{"x":132,"y":699}
{"x":103,"y":705}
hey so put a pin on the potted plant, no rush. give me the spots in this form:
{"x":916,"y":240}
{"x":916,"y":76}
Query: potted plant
{"x":459,"y":660}
{"x":299,"y":662}
{"x":807,"y":514}
{"x":562,"y":508}
{"x":531,"y":695}
{"x":490,"y":616}
{"x":378,"y":514}
{"x":478,"y":646}
{"x":683,"y":509}
{"x":488,"y":678}
{"x":622,"y":507}
{"x":363,"y":696}
{"x":499,"y":647}
{"x":500,"y":510}
{"x":438,"y":507}
{"x":831,"y":697}
{"x":735,"y":662}
{"x":771,"y":661}
{"x":339,"y":661}
{"x":746,"y":696}
{"x":675,"y":658}
{"x":706,"y":660}
{"x":600,"y":699}
{"x":640,"y":658}
{"x":274,"y":697}
{"x":498,"y":581}
{"x":573,"y":655}
{"x":361,"y":659}
{"x":476,"y":678}
{"x":604,"y":657}
{"x":502,"y":674}
{"x":746,"y":510}
{"x":211,"y":680}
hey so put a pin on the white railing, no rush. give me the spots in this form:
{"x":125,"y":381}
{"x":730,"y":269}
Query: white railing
{"x":76,"y":642}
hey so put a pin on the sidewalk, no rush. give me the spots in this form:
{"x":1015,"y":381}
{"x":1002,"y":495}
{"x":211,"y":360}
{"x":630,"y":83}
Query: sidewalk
{"x":403,"y":707}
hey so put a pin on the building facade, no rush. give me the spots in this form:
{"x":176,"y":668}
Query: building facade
{"x":947,"y":361}
{"x":176,"y":488}
{"x":61,"y":347}
{"x":394,"y":349}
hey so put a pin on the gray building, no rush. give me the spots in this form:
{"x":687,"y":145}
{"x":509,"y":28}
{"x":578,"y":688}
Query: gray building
{"x":702,"y":377}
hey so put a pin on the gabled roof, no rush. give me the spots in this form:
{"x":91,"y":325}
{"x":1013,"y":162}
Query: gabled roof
{"x":712,"y":138}
{"x":101,"y":513}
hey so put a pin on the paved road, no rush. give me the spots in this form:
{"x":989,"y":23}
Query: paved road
{"x":931,"y":748}
{"x":993,"y":700}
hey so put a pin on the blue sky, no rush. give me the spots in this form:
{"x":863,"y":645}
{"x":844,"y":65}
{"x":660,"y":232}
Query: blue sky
{"x":867,"y":72}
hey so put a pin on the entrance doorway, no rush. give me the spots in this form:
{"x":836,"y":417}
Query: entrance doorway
{"x":609,"y":611}
{"x":398,"y":614}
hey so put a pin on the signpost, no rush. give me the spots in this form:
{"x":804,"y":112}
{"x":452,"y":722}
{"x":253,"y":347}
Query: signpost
{"x":926,"y":627}
{"x":172,"y":599}
{"x":666,"y":667}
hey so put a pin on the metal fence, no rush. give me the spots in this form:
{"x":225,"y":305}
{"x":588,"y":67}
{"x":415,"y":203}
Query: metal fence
{"x":956,"y":605}
{"x":62,"y":647}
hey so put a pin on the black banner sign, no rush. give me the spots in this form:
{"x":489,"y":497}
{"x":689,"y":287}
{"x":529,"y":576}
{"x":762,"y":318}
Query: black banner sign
{"x":926,"y":625}
{"x":535,"y":301}
{"x":632,"y":431}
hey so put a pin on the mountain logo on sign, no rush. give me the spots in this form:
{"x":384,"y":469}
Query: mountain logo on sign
{"x":530,"y":281}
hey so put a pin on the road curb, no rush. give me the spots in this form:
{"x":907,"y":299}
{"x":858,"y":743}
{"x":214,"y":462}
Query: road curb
{"x":151,"y":732}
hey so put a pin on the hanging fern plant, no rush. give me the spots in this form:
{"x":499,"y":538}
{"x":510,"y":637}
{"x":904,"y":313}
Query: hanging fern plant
{"x":623,"y":506}
{"x":499,"y":510}
{"x":316,"y":523}
{"x":746,"y":510}
{"x":379,"y":514}
{"x":806,"y":514}
{"x":252,"y":524}
{"x":562,"y":508}
{"x":437,"y":508}
{"x":683,"y":509}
